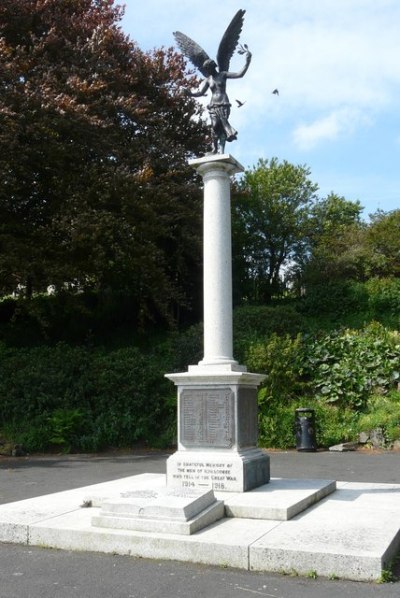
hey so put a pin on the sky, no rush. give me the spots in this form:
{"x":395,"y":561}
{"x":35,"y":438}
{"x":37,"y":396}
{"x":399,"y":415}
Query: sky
{"x":336,"y":64}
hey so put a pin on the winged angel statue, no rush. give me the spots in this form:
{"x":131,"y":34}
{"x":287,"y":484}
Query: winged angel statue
{"x":215,"y":79}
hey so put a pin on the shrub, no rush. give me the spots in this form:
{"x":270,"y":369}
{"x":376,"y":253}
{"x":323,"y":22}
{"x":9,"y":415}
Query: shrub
{"x":333,"y":425}
{"x":346,"y":366}
{"x":334,"y":373}
{"x":384,"y":296}
{"x":66,"y":427}
{"x":186,"y":348}
{"x":41,"y":379}
{"x":383,"y":412}
{"x":335,"y":299}
{"x":263,"y":320}
{"x":85,"y":399}
{"x":96,"y":317}
{"x":279,"y":357}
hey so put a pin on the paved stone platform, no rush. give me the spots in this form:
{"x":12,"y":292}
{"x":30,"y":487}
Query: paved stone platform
{"x":351,"y":533}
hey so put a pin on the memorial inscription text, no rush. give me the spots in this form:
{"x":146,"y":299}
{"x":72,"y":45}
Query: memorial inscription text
{"x":195,"y":474}
{"x":207,"y":418}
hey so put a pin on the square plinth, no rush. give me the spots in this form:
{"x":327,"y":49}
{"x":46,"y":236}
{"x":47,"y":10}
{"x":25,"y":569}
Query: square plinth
{"x":164,"y":510}
{"x":218,"y":433}
{"x":223,"y":471}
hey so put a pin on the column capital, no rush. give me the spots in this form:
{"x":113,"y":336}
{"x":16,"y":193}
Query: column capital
{"x":219,"y":162}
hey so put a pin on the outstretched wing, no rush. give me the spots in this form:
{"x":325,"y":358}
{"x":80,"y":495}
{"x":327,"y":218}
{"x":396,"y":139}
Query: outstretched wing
{"x":191,"y":50}
{"x":229,"y":41}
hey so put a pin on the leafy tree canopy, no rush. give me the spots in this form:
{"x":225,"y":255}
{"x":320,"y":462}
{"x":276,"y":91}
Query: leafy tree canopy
{"x":270,"y":214}
{"x":94,"y":140}
{"x":335,"y":241}
{"x":382,"y":242}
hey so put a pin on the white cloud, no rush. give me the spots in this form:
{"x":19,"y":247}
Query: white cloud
{"x":336,"y":65}
{"x":323,"y":63}
{"x":330,"y":127}
{"x":323,"y":53}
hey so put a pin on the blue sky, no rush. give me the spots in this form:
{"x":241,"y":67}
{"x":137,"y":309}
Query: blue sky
{"x":336,"y":64}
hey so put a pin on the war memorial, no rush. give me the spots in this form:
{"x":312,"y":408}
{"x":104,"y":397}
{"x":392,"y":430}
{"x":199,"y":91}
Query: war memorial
{"x":217,"y":503}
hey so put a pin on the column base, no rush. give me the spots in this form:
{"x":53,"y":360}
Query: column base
{"x":222,"y":471}
{"x":217,"y":430}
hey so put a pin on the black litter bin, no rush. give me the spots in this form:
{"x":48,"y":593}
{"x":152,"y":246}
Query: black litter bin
{"x":305,"y":430}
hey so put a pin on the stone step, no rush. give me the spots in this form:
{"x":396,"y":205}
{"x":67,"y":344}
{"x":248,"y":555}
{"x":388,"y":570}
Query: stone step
{"x":353,"y":533}
{"x":280,"y":500}
{"x":162,"y":510}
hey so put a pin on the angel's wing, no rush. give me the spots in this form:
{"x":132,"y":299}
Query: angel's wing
{"x":229,"y":41}
{"x":191,"y":50}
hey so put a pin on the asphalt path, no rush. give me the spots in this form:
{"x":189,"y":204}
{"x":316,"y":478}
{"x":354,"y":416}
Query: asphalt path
{"x":33,"y":572}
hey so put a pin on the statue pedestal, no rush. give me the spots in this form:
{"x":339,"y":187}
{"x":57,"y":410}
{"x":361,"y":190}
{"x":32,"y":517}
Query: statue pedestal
{"x":217,"y":432}
{"x":217,"y":399}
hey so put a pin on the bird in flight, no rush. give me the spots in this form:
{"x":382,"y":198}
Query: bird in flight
{"x":239,"y":103}
{"x":276,"y":92}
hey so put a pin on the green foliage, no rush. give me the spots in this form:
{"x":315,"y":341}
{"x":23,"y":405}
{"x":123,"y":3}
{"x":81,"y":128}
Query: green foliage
{"x":42,"y":379}
{"x":33,"y":434}
{"x":279,"y":358}
{"x":382,"y":242}
{"x":334,"y":373}
{"x":276,"y":422}
{"x":96,"y":190}
{"x":269,"y":218}
{"x":343,"y":250}
{"x":383,"y":412}
{"x":88,"y":397}
{"x":84,"y":398}
{"x":65,"y":426}
{"x":187,"y":347}
{"x":261,"y":320}
{"x":384,"y":296}
{"x":332,"y":215}
{"x":252,"y":323}
{"x":335,"y":298}
{"x":387,"y":576}
{"x":346,"y":366}
{"x":335,"y":243}
{"x":276,"y":426}
{"x":334,"y":424}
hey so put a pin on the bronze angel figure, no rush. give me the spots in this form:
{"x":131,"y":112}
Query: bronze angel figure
{"x":215,"y":79}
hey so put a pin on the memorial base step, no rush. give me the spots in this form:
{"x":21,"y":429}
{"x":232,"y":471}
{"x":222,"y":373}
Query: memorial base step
{"x":161,"y":510}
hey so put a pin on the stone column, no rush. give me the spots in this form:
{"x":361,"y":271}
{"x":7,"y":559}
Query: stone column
{"x":216,"y":173}
{"x":217,"y":398}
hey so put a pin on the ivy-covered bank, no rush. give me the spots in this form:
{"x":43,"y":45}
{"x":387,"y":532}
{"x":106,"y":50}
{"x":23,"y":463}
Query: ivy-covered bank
{"x":345,"y":364}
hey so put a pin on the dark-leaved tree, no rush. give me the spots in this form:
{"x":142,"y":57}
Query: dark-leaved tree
{"x":94,"y":140}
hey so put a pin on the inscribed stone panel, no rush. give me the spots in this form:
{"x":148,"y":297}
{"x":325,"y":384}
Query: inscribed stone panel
{"x":207,"y":417}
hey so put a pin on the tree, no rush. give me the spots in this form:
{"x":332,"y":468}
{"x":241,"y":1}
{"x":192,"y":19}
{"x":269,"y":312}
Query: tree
{"x":270,"y":214}
{"x":94,"y":140}
{"x":336,"y":242}
{"x":332,"y":215}
{"x":343,"y":247}
{"x":382,"y":243}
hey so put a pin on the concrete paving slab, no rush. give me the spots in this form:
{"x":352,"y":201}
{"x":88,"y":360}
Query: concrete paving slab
{"x":353,"y":534}
{"x":223,"y":543}
{"x":15,"y":518}
{"x":279,"y":500}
